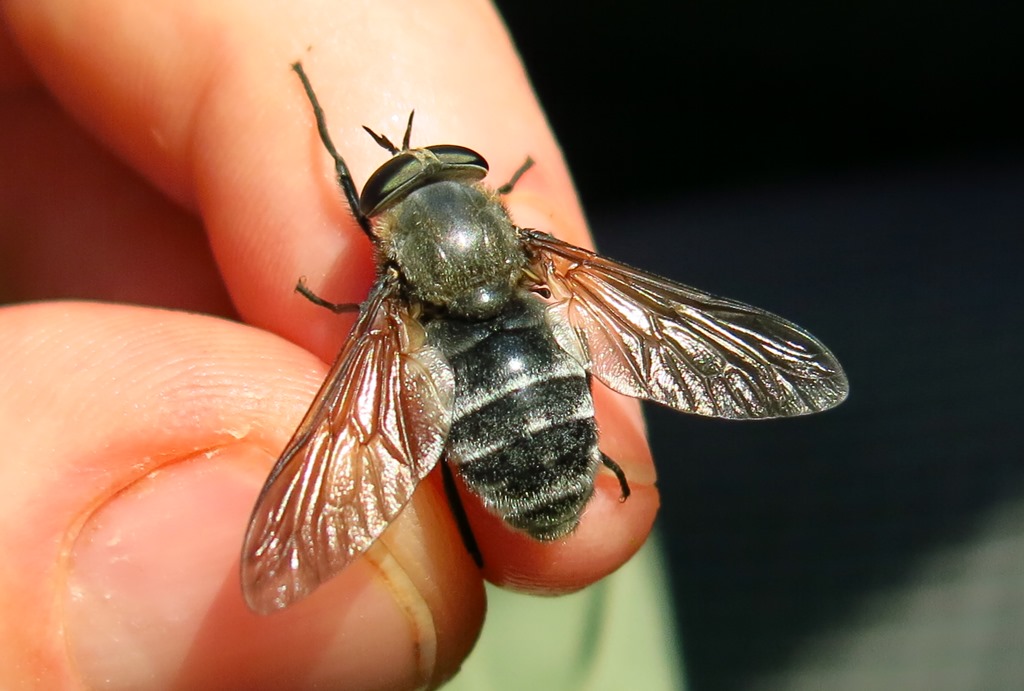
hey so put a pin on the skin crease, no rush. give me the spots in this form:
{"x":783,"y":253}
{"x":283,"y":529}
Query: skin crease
{"x":162,"y":154}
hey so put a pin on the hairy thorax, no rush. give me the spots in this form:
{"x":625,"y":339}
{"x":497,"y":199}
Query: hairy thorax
{"x":455,"y":247}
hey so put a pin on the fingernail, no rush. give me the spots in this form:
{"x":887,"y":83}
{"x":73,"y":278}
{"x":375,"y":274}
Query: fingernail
{"x":153,"y":596}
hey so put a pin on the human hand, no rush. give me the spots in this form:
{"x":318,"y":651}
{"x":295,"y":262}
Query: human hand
{"x":163,"y":155}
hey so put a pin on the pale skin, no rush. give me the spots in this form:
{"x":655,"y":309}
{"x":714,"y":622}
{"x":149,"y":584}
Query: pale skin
{"x":162,"y":154}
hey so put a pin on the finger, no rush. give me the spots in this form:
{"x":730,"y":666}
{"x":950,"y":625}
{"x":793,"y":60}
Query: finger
{"x":80,"y":224}
{"x":207,"y":107}
{"x":135,"y":441}
{"x":611,"y":529}
{"x":235,"y":139}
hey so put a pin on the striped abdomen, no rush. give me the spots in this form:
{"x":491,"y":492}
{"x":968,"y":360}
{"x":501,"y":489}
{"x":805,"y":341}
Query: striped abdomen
{"x":523,"y":435}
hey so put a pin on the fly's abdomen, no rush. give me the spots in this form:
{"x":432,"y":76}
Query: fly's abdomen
{"x":523,"y":437}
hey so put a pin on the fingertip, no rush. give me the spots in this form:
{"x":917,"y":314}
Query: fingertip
{"x":124,"y":531}
{"x":609,"y":534}
{"x":610,"y":530}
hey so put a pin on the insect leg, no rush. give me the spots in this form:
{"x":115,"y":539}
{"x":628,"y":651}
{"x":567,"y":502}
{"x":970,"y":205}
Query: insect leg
{"x":459,"y":512}
{"x":614,"y":467}
{"x":507,"y":187}
{"x":340,"y":168}
{"x":335,"y":307}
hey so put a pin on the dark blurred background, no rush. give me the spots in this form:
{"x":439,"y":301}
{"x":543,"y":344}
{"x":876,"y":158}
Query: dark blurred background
{"x":859,"y":168}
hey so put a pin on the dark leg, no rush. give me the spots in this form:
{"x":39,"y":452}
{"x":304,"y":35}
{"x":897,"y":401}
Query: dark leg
{"x":459,"y":512}
{"x":335,"y":307}
{"x":507,"y":187}
{"x":341,"y":170}
{"x":614,"y":467}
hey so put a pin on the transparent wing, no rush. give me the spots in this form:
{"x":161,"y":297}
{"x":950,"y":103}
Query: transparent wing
{"x":376,"y":428}
{"x":647,"y":337}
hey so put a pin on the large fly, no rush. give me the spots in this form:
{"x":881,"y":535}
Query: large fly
{"x":476,"y":346}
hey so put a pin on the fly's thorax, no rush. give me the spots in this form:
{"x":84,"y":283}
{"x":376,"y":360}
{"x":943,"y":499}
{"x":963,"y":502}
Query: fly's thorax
{"x":455,"y":246}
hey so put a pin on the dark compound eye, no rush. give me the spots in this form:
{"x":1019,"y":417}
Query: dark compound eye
{"x":410,"y":170}
{"x":459,"y":157}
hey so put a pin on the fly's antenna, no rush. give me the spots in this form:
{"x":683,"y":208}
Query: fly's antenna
{"x":408,"y":132}
{"x":382,"y":141}
{"x":385,"y":143}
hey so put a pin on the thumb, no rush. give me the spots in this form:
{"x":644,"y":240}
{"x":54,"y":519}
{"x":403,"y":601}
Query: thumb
{"x":137,"y":440}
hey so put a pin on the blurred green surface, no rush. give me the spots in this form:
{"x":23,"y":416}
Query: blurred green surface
{"x":617,"y":634}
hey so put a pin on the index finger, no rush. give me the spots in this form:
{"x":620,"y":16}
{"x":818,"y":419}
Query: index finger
{"x":200,"y":98}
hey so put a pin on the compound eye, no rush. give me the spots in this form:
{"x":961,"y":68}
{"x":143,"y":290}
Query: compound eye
{"x":396,"y":174}
{"x":412,"y":169}
{"x":467,"y":160}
